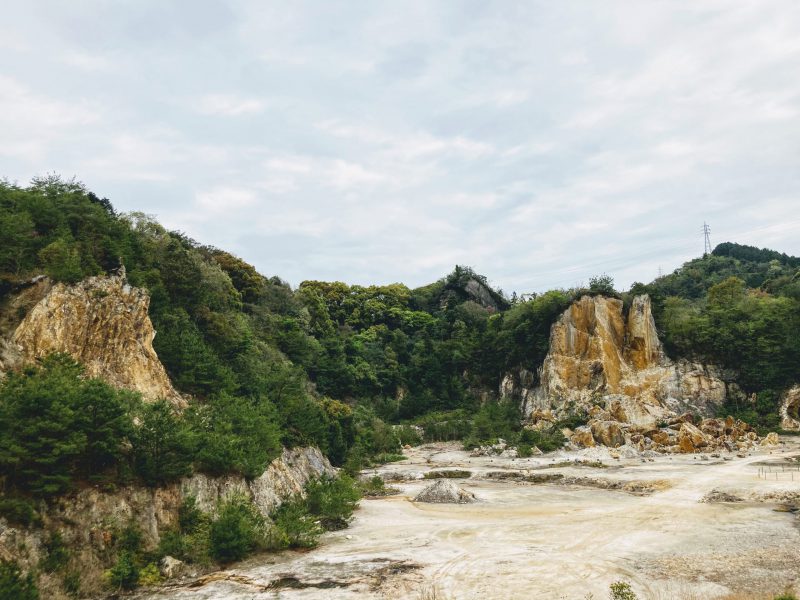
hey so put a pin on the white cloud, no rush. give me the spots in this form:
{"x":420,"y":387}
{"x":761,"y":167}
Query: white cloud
{"x":540,"y":142}
{"x":229,"y":105}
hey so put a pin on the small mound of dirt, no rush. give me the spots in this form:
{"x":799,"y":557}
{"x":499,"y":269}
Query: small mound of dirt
{"x":719,"y":496}
{"x":445,"y":492}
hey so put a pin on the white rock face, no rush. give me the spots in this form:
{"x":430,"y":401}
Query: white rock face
{"x":284,"y":477}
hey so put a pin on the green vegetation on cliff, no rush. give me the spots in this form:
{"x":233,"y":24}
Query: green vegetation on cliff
{"x":331,"y":364}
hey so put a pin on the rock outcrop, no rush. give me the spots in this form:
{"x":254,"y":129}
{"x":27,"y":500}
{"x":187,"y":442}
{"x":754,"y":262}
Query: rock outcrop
{"x":89,"y":520}
{"x":444,"y":492}
{"x":790,"y":409}
{"x":101,"y":322}
{"x":599,"y":358}
{"x":612,"y":370}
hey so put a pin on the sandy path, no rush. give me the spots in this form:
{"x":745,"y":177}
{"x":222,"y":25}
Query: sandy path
{"x":546,"y":540}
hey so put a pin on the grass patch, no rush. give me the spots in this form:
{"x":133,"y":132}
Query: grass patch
{"x":375,"y":487}
{"x":386,"y":457}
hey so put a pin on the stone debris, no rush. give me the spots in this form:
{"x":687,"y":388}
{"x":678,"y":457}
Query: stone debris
{"x":608,"y":367}
{"x":445,"y":492}
{"x":716,"y":495}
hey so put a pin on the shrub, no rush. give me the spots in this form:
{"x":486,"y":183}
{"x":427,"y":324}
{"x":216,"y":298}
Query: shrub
{"x":374,"y":487}
{"x":124,"y":574}
{"x":333,"y":500}
{"x":129,"y":539}
{"x":621,"y":590}
{"x":237,"y":531}
{"x":150,"y":575}
{"x":57,"y":554}
{"x":19,"y":511}
{"x":524,"y":450}
{"x":546,"y":440}
{"x":172,"y":543}
{"x":15,"y":586}
{"x":407,"y":435}
{"x":72,"y":584}
{"x":189,"y":516}
{"x":296,"y":527}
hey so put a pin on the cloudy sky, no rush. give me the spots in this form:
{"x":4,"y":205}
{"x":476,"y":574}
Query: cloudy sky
{"x":371,"y":142}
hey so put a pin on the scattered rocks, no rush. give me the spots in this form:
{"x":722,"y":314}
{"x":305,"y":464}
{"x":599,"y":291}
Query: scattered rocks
{"x":444,"y":491}
{"x":716,"y":495}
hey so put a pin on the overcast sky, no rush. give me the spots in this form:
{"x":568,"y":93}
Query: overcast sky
{"x":372,"y":142}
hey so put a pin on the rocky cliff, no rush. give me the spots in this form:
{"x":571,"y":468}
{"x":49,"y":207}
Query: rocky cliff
{"x":89,"y":520}
{"x":611,"y":369}
{"x":790,"y":409}
{"x":597,"y":356}
{"x":102,"y":322}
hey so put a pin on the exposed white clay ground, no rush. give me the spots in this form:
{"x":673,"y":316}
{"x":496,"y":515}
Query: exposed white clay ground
{"x":562,"y":539}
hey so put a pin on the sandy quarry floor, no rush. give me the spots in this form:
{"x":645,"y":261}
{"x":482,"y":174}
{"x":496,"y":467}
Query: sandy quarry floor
{"x":549,"y":540}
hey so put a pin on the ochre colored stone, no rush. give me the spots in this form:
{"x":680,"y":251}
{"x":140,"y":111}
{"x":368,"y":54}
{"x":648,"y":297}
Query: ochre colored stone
{"x":102,"y":322}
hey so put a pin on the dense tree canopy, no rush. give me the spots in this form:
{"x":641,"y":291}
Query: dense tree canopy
{"x":327,"y":364}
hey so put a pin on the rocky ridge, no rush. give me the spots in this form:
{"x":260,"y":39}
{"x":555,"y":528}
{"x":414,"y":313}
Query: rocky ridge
{"x":89,"y":520}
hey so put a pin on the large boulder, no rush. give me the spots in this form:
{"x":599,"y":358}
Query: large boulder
{"x":582,"y":437}
{"x":608,"y":433}
{"x":771,"y":439}
{"x":444,"y":491}
{"x":691,"y":439}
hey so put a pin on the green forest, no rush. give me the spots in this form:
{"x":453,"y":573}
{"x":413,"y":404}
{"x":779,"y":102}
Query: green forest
{"x":328,"y":364}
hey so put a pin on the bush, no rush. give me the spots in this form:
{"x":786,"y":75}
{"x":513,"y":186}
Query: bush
{"x":546,"y":440}
{"x":296,"y":527}
{"x":621,"y":590}
{"x":72,"y":584}
{"x":15,"y":586}
{"x":57,"y":554}
{"x":407,"y":435}
{"x":189,"y":516}
{"x":129,"y":539}
{"x":150,"y":575}
{"x":333,"y":500}
{"x":19,"y":511}
{"x":124,"y":574}
{"x":374,"y":487}
{"x":524,"y":450}
{"x":172,"y":543}
{"x":237,"y":531}
{"x":235,"y":435}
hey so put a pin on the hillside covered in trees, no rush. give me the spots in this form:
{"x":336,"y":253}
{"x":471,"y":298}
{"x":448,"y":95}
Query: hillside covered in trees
{"x":330,"y":364}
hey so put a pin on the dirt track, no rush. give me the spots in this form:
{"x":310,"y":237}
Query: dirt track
{"x":554,"y":540}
